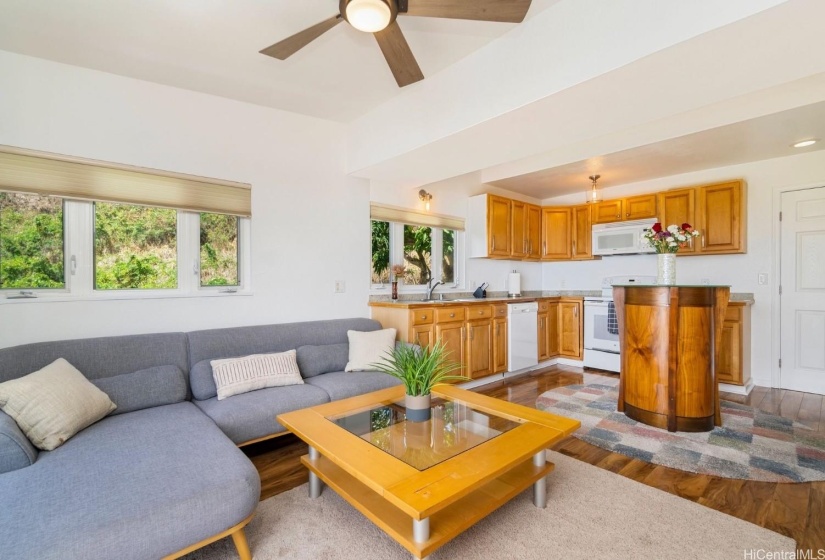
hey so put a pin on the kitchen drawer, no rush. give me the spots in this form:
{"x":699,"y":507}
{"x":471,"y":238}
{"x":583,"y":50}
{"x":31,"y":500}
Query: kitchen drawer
{"x":422,"y":316}
{"x":733,"y":313}
{"x":499,"y":310}
{"x":448,"y":314}
{"x":479,"y":312}
{"x":544,"y":305}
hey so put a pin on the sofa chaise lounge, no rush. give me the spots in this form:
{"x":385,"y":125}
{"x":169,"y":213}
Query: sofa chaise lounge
{"x":162,"y":475}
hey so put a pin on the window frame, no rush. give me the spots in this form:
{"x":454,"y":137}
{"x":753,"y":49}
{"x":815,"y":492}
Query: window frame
{"x":79,"y":263}
{"x":436,"y":254}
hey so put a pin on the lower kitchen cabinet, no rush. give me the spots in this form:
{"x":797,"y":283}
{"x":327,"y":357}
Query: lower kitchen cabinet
{"x":451,"y":335}
{"x":499,"y":338}
{"x":570,"y":329}
{"x":479,"y":348}
{"x":734,"y":352}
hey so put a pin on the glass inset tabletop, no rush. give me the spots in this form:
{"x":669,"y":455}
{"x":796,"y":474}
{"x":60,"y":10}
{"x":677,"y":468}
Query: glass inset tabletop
{"x":454,"y":427}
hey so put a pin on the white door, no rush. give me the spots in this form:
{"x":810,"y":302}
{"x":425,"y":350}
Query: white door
{"x":803,"y":291}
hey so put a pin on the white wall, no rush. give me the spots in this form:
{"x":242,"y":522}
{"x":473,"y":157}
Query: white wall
{"x":764,"y":179}
{"x":450,"y":198}
{"x":308,"y":217}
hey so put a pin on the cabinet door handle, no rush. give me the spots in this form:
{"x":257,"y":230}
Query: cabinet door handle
{"x":498,"y":329}
{"x":462,"y":333}
{"x":494,"y":245}
{"x":574,"y":247}
{"x":423,"y":317}
{"x":524,"y":249}
{"x":481,"y":312}
{"x":544,"y":247}
{"x":703,"y":241}
{"x":472,"y":334}
{"x":576,"y":311}
{"x":452,"y":314}
{"x":618,"y":216}
{"x":628,"y":214}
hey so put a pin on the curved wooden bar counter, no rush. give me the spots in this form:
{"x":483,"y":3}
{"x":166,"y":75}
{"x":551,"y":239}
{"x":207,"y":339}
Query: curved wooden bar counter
{"x":670,"y":338}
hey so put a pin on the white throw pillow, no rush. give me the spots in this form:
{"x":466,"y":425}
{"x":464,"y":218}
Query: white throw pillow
{"x":234,"y":376}
{"x":53,"y":404}
{"x":369,"y":348}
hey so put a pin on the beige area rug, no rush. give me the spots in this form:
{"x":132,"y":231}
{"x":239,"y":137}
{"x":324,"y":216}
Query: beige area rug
{"x":591,"y":513}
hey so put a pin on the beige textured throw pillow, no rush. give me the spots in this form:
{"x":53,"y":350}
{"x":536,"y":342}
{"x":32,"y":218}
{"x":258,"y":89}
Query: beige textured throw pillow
{"x":53,"y":404}
{"x":368,"y":348}
{"x":234,"y":376}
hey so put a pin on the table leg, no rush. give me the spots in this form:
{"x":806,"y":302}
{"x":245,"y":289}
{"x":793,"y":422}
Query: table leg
{"x":421,"y":530}
{"x":315,"y":483}
{"x":540,"y":486}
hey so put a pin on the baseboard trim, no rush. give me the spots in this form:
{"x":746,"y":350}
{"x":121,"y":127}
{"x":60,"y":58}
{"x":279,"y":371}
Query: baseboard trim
{"x":737,"y":389}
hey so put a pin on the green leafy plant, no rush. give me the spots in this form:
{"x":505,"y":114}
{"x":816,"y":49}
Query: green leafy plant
{"x":419,"y":369}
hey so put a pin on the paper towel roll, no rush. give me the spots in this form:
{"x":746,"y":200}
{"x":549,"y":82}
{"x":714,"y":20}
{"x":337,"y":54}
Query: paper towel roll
{"x":514,"y":284}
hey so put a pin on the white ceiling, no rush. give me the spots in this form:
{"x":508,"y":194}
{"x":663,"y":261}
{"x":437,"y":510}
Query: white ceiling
{"x":766,"y":137}
{"x":212,"y":46}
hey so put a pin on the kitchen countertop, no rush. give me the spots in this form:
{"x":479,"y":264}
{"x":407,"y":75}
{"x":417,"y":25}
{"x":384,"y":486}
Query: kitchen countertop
{"x":406,"y":301}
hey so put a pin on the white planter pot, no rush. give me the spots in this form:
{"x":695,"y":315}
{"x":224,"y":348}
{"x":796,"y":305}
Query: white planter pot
{"x":418,"y":407}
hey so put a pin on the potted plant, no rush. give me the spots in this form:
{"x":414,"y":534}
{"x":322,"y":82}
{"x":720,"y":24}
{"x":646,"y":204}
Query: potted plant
{"x":667,"y":242}
{"x":419,"y":369}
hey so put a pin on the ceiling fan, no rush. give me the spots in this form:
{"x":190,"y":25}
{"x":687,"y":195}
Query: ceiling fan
{"x":378,"y":17}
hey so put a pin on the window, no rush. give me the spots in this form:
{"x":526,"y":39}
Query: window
{"x":31,"y":242}
{"x":380,"y":264}
{"x":135,"y":247}
{"x":426,"y":253}
{"x":219,"y":263}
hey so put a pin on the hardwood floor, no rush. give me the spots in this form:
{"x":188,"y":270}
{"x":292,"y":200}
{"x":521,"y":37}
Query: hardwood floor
{"x":796,"y":510}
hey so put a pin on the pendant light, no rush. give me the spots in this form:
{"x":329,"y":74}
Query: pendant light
{"x":593,"y":193}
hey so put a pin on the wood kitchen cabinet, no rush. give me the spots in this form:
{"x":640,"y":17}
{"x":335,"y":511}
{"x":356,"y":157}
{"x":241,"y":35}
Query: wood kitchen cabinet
{"x":581,"y":230}
{"x":533,"y":229}
{"x":720,"y":218}
{"x":679,"y":207}
{"x":489,"y":224}
{"x":479,"y":341}
{"x":570,"y":328}
{"x":518,"y":229}
{"x":548,"y":329}
{"x":451,"y":335}
{"x":631,"y":208}
{"x":556,"y":230}
{"x":734,"y":354}
{"x":499,"y":338}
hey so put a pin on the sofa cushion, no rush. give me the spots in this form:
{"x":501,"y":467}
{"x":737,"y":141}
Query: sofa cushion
{"x":131,"y":487}
{"x":369,"y":348}
{"x":97,"y":357}
{"x":252,"y":415}
{"x":202,"y":382}
{"x":344,"y":384}
{"x":53,"y":403}
{"x":16,"y":451}
{"x":234,"y":376}
{"x":155,"y":386}
{"x":315,"y":360}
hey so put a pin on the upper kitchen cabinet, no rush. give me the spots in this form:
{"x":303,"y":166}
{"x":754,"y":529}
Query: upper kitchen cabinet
{"x":721,"y":218}
{"x":633,"y":208}
{"x":556,"y":233}
{"x":533,"y":228}
{"x":518,"y":229}
{"x":679,"y":207}
{"x":488,"y":226}
{"x":582,"y":228}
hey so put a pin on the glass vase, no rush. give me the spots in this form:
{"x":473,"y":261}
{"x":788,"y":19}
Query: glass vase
{"x":666,"y":273}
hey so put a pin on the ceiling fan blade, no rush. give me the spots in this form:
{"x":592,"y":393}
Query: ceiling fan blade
{"x":511,"y":11}
{"x":398,"y":54}
{"x":289,"y":46}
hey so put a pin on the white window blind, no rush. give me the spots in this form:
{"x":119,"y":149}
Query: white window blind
{"x":383,"y":213}
{"x":43,"y":173}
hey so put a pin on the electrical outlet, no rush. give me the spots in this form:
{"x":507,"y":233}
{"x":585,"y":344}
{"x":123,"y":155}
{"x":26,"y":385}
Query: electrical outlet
{"x":763,"y":278}
{"x":340,"y":286}
{"x":706,"y":281}
{"x":563,"y":283}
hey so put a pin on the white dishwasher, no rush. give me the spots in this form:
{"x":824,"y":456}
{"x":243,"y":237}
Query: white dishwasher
{"x":522,"y":335}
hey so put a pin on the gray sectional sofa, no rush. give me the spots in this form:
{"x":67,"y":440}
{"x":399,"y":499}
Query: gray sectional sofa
{"x":163,"y":473}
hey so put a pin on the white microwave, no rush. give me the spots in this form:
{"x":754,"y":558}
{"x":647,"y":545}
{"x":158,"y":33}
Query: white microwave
{"x":621,"y":238}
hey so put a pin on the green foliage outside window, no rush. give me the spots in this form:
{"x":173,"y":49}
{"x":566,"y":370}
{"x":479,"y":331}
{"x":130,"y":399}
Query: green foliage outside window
{"x":418,"y":244}
{"x":31,"y":241}
{"x":219,"y":250}
{"x":380,"y":252}
{"x":135,"y":247}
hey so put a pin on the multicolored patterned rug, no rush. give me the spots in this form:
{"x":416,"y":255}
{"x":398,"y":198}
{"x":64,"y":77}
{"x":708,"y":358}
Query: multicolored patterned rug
{"x":750,"y":444}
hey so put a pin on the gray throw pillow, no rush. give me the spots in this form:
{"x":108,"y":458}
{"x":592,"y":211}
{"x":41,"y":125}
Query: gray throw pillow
{"x":16,"y":451}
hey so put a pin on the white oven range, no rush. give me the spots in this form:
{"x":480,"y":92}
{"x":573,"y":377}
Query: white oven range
{"x":601,"y":333}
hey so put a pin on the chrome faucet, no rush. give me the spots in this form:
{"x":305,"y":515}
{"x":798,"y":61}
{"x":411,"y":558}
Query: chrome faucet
{"x":431,"y":289}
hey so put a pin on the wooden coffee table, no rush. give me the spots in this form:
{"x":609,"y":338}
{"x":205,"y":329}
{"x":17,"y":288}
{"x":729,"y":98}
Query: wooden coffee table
{"x":424,"y":483}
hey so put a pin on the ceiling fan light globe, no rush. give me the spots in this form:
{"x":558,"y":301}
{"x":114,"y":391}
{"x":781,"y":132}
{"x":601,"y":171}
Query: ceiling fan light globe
{"x":369,"y":16}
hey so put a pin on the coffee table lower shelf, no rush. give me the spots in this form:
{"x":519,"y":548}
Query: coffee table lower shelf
{"x":445,"y":524}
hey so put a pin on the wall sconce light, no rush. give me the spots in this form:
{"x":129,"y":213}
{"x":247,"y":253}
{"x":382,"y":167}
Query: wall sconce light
{"x":593,"y":193}
{"x":425,"y":197}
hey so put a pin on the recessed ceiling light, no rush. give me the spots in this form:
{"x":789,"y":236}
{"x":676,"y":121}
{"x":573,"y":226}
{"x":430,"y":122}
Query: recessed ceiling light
{"x":806,"y":143}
